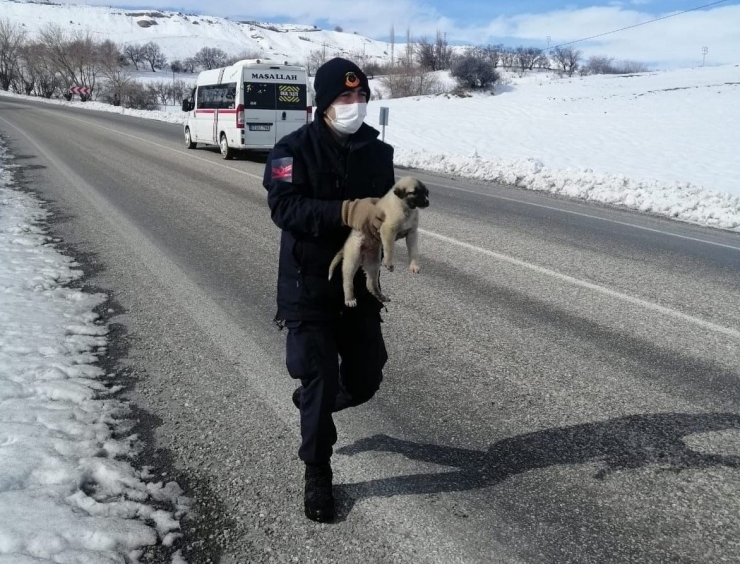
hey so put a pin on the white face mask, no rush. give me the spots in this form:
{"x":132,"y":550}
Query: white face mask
{"x":348,"y":117}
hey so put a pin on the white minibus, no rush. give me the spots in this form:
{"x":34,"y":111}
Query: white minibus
{"x":251,"y":105}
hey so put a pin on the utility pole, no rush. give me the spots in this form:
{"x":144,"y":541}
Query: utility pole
{"x":548,"y":42}
{"x":704,"y":51}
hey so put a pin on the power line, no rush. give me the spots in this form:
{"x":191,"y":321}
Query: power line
{"x":638,"y":25}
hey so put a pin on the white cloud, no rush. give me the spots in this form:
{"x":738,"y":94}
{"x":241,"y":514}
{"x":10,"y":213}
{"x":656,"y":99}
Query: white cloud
{"x":672,"y":42}
{"x":669,"y":43}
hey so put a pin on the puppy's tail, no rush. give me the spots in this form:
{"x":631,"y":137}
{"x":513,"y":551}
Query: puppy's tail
{"x":338,"y":257}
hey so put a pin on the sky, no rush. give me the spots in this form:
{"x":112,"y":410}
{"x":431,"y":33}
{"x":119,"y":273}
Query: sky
{"x":670,"y":43}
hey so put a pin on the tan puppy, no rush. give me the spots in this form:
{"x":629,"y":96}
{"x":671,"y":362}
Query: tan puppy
{"x":401,"y":208}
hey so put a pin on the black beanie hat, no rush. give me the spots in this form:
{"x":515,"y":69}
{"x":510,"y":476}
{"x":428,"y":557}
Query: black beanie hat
{"x":333,"y":78}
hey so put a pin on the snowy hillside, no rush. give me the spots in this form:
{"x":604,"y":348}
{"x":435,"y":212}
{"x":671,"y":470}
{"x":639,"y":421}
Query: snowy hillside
{"x":181,"y":35}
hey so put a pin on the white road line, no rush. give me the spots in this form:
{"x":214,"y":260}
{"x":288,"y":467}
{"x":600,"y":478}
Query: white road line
{"x":583,"y":284}
{"x":581,"y":214}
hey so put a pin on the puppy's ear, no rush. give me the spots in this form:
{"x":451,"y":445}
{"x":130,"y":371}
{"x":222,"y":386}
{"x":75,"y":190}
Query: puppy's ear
{"x":399,"y":191}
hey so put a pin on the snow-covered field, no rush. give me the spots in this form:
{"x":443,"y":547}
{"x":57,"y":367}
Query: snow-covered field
{"x":68,"y":490}
{"x":660,"y":142}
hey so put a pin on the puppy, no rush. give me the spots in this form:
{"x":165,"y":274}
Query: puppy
{"x":401,"y":207}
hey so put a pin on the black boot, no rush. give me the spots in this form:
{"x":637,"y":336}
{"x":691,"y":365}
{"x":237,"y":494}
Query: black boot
{"x":318,"y":499}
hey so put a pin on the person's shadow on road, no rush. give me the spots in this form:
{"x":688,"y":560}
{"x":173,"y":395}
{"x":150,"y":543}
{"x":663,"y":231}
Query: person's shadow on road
{"x":625,"y":443}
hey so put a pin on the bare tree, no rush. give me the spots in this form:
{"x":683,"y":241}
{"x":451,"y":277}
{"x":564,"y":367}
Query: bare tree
{"x":372,"y":68}
{"x":211,"y":58}
{"x":163,"y":88}
{"x":189,"y":65}
{"x":528,"y":57}
{"x":433,"y":56}
{"x":425,"y":55}
{"x":179,"y":88}
{"x":117,"y":84}
{"x":443,"y":50}
{"x":110,"y":56}
{"x":508,"y":57}
{"x":153,"y":55}
{"x":598,"y":65}
{"x":74,"y":59}
{"x":117,"y":79}
{"x":409,"y":48}
{"x":630,"y":67}
{"x":61,"y":60}
{"x":243,"y":55}
{"x":85,"y":53}
{"x":25,"y":78}
{"x":492,"y":53}
{"x":409,"y":80}
{"x":12,"y":37}
{"x":360,"y":57}
{"x":39,"y":70}
{"x":316,"y":58}
{"x":567,"y":59}
{"x":474,"y":72}
{"x":139,"y":96}
{"x":134,"y":53}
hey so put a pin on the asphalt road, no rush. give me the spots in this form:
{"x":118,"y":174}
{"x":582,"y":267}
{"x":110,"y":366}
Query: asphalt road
{"x":563,"y":383}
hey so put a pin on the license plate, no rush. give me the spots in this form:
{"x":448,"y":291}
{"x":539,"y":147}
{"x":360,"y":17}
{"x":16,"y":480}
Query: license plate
{"x":259,"y":126}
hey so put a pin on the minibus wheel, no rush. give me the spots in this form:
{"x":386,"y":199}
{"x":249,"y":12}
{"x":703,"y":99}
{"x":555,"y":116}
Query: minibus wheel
{"x":226,"y":151}
{"x":188,"y":139}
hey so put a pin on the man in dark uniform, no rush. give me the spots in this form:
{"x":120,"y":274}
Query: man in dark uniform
{"x":323,"y":180}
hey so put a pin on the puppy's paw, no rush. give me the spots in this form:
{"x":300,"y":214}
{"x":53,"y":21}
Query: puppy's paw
{"x":414,"y":268}
{"x":389,"y":266}
{"x":351,"y":303}
{"x":383,"y":298}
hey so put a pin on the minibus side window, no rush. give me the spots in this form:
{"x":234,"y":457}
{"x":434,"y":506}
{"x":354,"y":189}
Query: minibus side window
{"x":228,"y":102}
{"x":217,"y":96}
{"x":205,"y":97}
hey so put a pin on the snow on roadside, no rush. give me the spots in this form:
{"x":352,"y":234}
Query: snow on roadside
{"x":68,"y":490}
{"x":678,"y":200}
{"x":177,"y":117}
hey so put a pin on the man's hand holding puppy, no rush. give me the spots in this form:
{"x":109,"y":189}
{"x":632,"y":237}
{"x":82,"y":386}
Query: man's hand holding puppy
{"x":394,"y":216}
{"x":363,"y":215}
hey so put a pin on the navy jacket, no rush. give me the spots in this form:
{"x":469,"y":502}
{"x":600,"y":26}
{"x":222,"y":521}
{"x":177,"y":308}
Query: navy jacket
{"x":307,"y":176}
